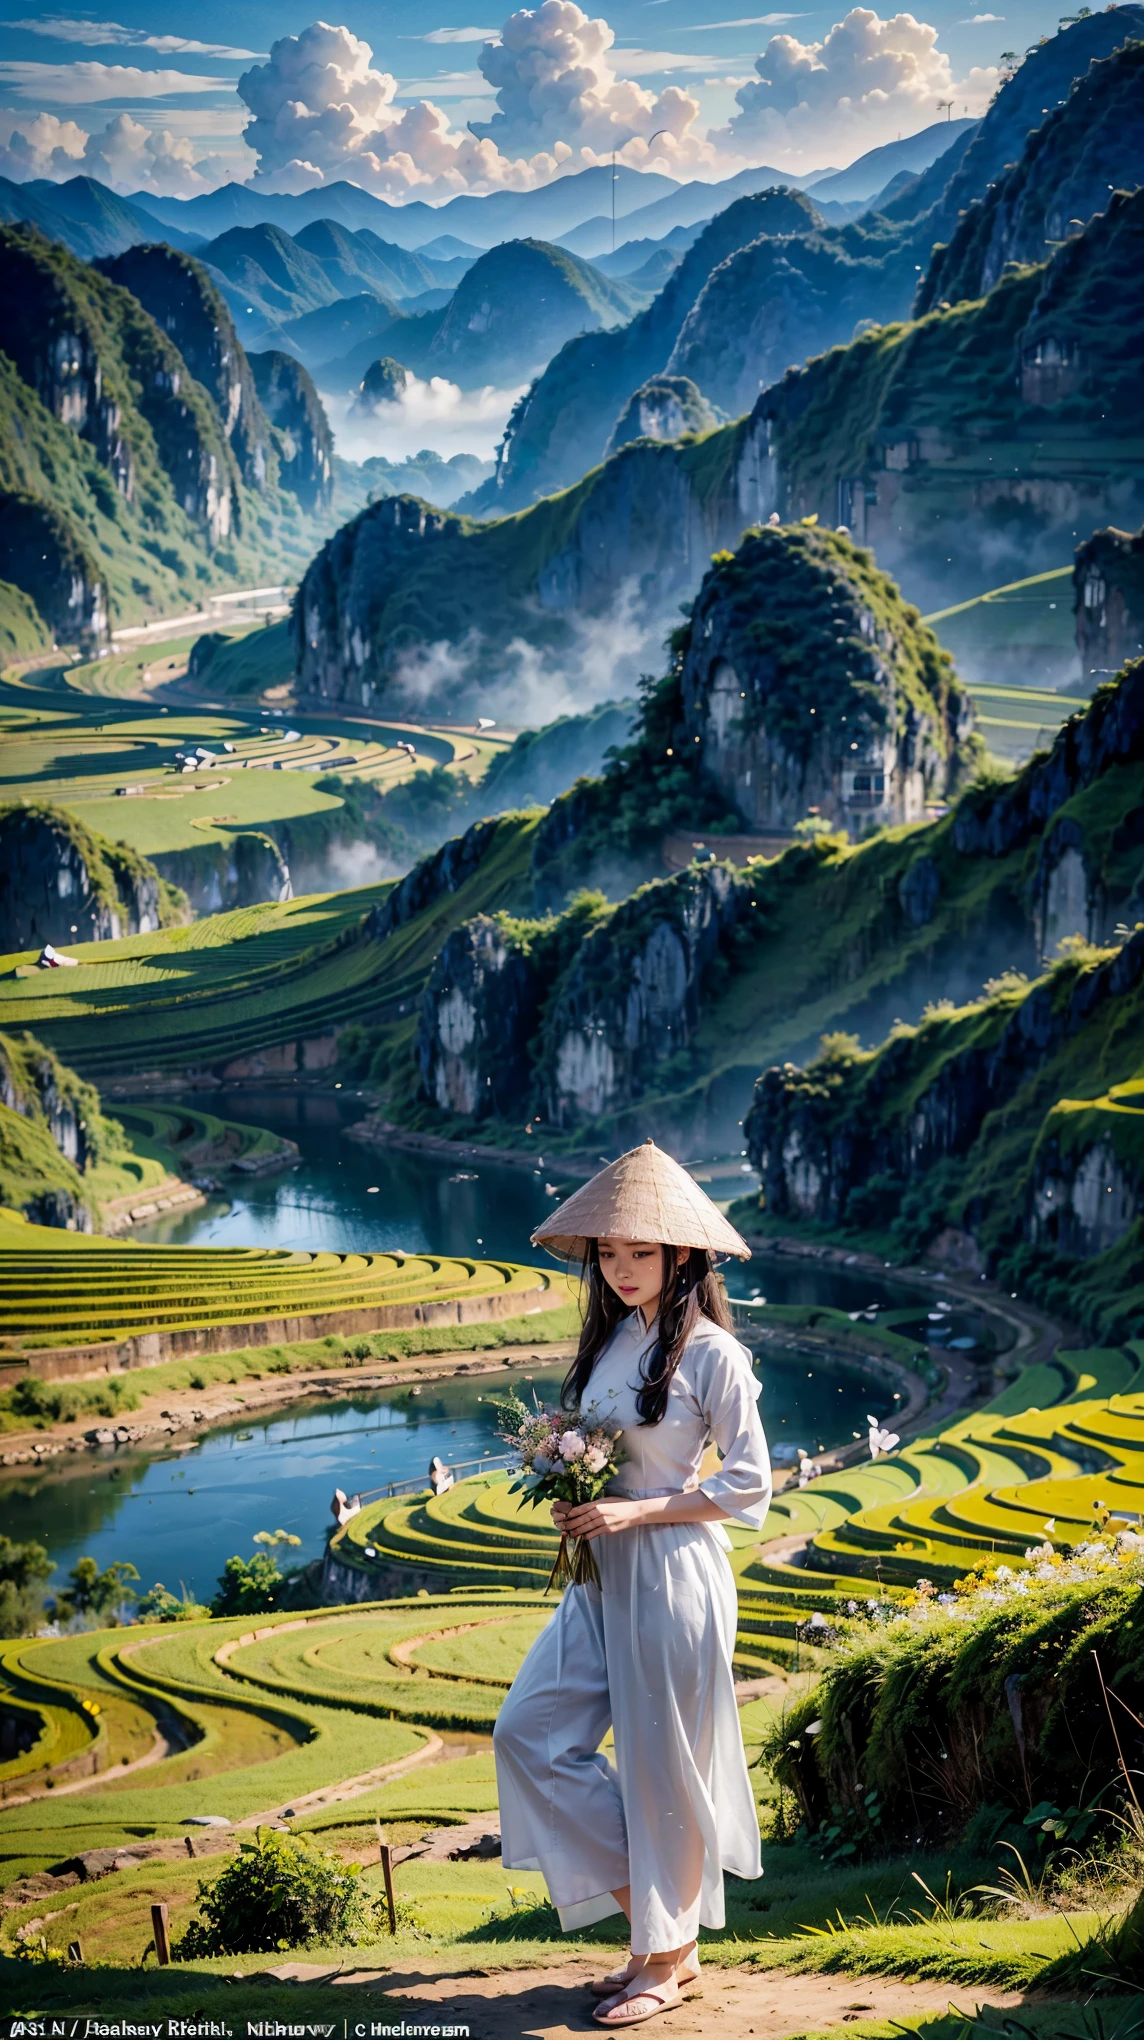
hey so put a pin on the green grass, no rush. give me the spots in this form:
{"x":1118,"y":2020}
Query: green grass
{"x":272,"y":974}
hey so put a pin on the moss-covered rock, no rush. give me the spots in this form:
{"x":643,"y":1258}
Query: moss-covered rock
{"x":183,"y":301}
{"x":975,"y":445}
{"x":57,"y":875}
{"x":103,"y":367}
{"x":561,"y":426}
{"x":382,"y":383}
{"x":664,"y":407}
{"x":305,"y":443}
{"x":808,"y":683}
{"x":1108,"y":581}
{"x":1084,"y":150}
{"x":44,"y":554}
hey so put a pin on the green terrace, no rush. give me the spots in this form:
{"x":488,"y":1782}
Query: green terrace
{"x":254,"y":979}
{"x":61,"y":1289}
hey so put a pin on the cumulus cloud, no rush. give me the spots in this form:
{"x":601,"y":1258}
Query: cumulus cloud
{"x":456,"y":35}
{"x":321,"y":110}
{"x":865,"y":82}
{"x":555,"y":81}
{"x":126,"y":154}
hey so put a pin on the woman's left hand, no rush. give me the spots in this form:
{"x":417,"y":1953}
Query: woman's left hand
{"x":600,"y":1519}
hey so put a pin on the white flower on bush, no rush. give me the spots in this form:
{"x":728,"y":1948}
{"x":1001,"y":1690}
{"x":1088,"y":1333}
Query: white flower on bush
{"x":595,"y":1459}
{"x":572,"y":1446}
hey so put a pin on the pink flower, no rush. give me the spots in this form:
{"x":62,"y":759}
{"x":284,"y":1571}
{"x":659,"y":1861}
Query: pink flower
{"x":572,"y":1445}
{"x":595,"y":1459}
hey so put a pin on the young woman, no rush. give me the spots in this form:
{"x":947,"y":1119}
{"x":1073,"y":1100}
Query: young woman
{"x":647,"y":1653}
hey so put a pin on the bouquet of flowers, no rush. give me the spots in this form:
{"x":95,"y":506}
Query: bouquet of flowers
{"x":563,"y":1458}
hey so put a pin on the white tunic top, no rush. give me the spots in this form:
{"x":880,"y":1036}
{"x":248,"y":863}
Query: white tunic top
{"x":650,"y":1652}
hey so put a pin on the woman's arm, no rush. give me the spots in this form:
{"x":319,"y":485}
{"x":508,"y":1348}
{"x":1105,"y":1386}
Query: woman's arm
{"x":602,"y":1518}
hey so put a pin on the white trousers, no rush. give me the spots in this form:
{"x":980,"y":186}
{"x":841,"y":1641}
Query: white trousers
{"x":650,"y":1655}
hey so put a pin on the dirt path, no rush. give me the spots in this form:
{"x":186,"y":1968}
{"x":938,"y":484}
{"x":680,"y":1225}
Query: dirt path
{"x":553,"y":2003}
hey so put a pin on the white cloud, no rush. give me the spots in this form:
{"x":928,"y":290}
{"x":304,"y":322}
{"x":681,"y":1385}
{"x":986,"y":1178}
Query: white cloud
{"x":867,"y":81}
{"x":456,"y":35}
{"x":555,"y":81}
{"x":127,"y":155}
{"x":81,"y":84}
{"x":60,"y":28}
{"x":970,"y":20}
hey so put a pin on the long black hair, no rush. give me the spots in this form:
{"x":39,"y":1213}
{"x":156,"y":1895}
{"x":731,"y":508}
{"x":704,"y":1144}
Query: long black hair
{"x":691,"y":1289}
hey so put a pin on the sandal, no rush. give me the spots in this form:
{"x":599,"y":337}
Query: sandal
{"x":687,"y":1976}
{"x":660,"y":1997}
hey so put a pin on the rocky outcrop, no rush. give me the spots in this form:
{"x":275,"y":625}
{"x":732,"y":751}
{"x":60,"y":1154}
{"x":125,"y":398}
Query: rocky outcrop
{"x":808,"y":685}
{"x":628,"y":1007}
{"x":433,"y":879}
{"x":383,"y":383}
{"x":242,"y":872}
{"x":1084,"y":150}
{"x":1108,"y":581}
{"x":35,"y":1084}
{"x":777,"y":302}
{"x":664,"y":407}
{"x":476,"y":1024}
{"x":561,"y":426}
{"x":60,"y":883}
{"x":579,"y":1015}
{"x":921,"y":438}
{"x":42,"y":552}
{"x":102,"y":366}
{"x":182,"y":300}
{"x":831,"y":1140}
{"x":305,"y":443}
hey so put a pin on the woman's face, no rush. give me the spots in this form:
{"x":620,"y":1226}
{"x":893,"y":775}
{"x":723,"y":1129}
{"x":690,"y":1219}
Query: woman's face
{"x":634,"y":1269}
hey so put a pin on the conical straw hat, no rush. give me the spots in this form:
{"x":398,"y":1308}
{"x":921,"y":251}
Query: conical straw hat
{"x":645,"y":1195}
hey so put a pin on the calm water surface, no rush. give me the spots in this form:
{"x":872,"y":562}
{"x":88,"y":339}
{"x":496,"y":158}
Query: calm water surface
{"x":178,"y":1516}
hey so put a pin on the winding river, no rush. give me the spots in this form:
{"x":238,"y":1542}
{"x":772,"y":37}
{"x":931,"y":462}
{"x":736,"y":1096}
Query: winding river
{"x":178,"y":1515}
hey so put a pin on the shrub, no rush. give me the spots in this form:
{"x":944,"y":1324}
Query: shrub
{"x":280,"y":1891}
{"x":23,"y":1570}
{"x":248,"y":1586}
{"x":161,"y":1605}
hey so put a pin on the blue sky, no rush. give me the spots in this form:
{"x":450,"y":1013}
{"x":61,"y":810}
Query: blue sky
{"x":392,"y":99}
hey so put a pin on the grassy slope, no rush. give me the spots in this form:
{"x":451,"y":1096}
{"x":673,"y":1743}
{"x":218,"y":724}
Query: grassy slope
{"x":261,"y":975}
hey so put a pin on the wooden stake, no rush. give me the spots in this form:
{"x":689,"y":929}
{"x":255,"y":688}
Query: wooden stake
{"x":162,"y":1938}
{"x":190,"y":1842}
{"x":387,"y":1873}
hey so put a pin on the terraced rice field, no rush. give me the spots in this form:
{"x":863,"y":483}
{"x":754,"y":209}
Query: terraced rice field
{"x":78,"y":739}
{"x":251,"y":980}
{"x":985,"y":1485}
{"x":59,"y":1288}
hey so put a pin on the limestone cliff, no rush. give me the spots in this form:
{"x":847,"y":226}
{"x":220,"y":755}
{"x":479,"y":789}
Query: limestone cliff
{"x":415,"y":605}
{"x":976,"y":445}
{"x":515,"y":308}
{"x":305,"y":443}
{"x":60,"y":883}
{"x":445,"y":872}
{"x":52,"y":1134}
{"x":664,"y":407}
{"x":42,"y":552}
{"x":808,"y":685}
{"x":476,"y":1023}
{"x":1083,"y":151}
{"x":1108,"y":580}
{"x":216,"y":877}
{"x":182,"y":300}
{"x":102,"y":366}
{"x":561,"y":426}
{"x":979,"y":1133}
{"x":576,"y":1015}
